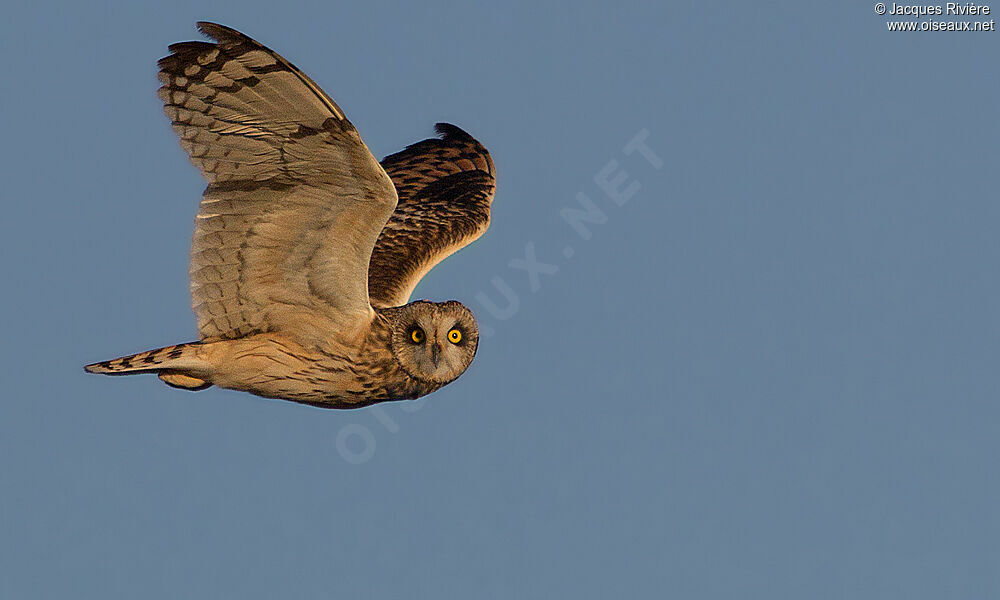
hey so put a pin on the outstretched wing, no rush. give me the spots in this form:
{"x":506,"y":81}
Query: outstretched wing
{"x":445,"y":187}
{"x":295,"y":199}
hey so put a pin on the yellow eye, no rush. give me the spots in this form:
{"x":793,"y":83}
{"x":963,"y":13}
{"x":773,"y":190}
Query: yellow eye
{"x":454,"y":336}
{"x":417,"y":335}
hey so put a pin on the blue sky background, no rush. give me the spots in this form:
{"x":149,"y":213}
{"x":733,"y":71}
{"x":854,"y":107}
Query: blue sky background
{"x":770,"y":374}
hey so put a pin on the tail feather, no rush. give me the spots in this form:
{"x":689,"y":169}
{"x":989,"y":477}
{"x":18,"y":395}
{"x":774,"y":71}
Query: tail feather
{"x":177,"y":365}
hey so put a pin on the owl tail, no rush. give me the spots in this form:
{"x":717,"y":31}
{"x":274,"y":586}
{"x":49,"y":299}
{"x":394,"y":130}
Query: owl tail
{"x":175,"y":365}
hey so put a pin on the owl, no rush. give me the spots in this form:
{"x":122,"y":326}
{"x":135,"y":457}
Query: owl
{"x":306,"y":249}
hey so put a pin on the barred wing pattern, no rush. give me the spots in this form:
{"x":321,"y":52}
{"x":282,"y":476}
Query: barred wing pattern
{"x":295,"y":200}
{"x":445,"y":187}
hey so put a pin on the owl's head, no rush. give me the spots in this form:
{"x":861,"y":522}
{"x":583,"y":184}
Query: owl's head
{"x":434,"y":341}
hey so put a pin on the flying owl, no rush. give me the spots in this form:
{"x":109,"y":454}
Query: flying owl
{"x":306,"y":249}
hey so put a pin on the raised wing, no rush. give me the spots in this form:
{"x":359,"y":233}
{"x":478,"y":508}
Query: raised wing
{"x":445,"y":187}
{"x":295,"y":199}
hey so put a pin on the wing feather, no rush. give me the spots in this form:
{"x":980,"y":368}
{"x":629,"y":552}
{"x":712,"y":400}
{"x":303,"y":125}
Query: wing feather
{"x":295,"y":199}
{"x":445,"y":187}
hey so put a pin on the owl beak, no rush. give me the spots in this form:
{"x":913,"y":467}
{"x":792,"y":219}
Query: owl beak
{"x":435,"y":354}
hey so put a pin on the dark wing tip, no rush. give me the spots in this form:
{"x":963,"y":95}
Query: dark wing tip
{"x":448,"y":131}
{"x":227,"y":37}
{"x":184,"y":51}
{"x":450,"y":139}
{"x":219,"y":33}
{"x":454,"y":134}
